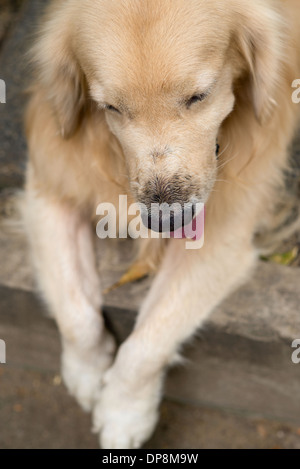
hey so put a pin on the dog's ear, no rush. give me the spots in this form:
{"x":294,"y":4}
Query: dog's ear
{"x":67,"y":95}
{"x":260,"y":39}
{"x":60,"y":75}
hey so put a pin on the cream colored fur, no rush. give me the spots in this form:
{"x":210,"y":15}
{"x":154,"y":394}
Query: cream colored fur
{"x":147,"y":58}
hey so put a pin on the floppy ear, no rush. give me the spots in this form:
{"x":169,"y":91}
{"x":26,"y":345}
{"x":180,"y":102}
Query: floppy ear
{"x":66,"y":92}
{"x":261,"y":40}
{"x":60,"y":75}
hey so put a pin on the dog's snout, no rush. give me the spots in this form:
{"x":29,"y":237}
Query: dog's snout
{"x":167,"y":204}
{"x":165,"y":218}
{"x":162,"y":223}
{"x":160,"y":190}
{"x":161,"y":153}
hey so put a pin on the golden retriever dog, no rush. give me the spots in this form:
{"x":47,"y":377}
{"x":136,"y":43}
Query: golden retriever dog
{"x":130,"y":98}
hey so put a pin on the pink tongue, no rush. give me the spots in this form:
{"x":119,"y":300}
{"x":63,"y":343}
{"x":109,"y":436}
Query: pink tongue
{"x":194,"y":230}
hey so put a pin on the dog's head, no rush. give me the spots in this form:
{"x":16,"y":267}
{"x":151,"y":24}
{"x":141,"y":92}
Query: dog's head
{"x":166,"y":73}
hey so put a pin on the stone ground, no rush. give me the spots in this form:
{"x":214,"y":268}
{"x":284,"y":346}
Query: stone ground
{"x":37,"y":413}
{"x":240,"y":389}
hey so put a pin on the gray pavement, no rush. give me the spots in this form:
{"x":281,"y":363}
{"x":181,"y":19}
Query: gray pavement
{"x":37,"y":413}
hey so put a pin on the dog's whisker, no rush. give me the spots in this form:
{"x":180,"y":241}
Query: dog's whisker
{"x":223,"y":180}
{"x":224,"y":149}
{"x":225,"y":163}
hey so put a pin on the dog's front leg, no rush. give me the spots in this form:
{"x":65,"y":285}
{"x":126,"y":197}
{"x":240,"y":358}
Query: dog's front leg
{"x":189,"y":285}
{"x":62,"y":249}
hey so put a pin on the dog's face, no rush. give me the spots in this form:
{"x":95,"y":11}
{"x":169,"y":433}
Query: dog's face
{"x":164,"y":81}
{"x":164,"y":72}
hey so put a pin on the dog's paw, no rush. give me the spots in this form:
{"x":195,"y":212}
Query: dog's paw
{"x":83,"y":373}
{"x":123,"y":420}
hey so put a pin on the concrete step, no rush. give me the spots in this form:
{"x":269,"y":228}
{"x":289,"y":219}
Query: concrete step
{"x":240,"y":360}
{"x":37,"y":413}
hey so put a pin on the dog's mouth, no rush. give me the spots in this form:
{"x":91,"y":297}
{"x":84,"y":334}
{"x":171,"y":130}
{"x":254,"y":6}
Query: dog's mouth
{"x":194,"y":230}
{"x":180,"y":224}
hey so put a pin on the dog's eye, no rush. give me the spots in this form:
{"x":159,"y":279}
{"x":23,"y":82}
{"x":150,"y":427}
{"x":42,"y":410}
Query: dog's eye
{"x":111,"y":108}
{"x":195,"y":99}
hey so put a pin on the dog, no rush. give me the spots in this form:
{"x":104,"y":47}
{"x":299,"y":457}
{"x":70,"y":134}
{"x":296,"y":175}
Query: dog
{"x":133,"y":98}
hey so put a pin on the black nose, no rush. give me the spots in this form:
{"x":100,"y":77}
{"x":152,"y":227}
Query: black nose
{"x":165,"y":219}
{"x":161,"y":224}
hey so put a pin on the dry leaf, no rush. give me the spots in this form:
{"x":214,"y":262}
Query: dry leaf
{"x":283,"y":259}
{"x":136,"y":272}
{"x":17,"y":408}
